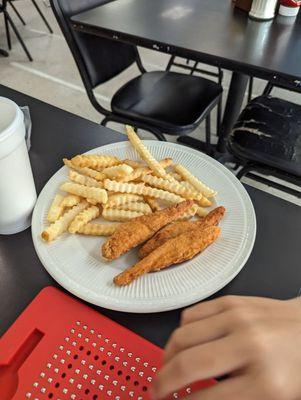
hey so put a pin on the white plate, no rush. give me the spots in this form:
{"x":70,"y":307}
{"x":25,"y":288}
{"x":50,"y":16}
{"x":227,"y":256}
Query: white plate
{"x":74,"y":260}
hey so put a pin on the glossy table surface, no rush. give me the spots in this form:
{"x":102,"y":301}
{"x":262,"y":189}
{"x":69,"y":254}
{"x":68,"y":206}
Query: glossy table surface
{"x":272,"y":270}
{"x":212,"y":31}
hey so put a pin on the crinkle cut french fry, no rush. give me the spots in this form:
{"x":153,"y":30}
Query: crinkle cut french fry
{"x":153,"y":203}
{"x":145,"y":153}
{"x":94,"y":161}
{"x":84,"y":180}
{"x":177,"y":177}
{"x":118,"y":171}
{"x":100,"y":195}
{"x":83,"y":218}
{"x":119,"y":199}
{"x":98,"y":229}
{"x":195,"y":182}
{"x":114,"y":214}
{"x":133,"y":176}
{"x":133,"y":164}
{"x":173,"y":187}
{"x":61,"y":225}
{"x":140,"y":188}
{"x":85,"y":170}
{"x":70,"y":200}
{"x":204,"y":202}
{"x":135,"y":206}
{"x":138,"y":172}
{"x":195,"y":210}
{"x":92,"y":201}
{"x":56,"y":209}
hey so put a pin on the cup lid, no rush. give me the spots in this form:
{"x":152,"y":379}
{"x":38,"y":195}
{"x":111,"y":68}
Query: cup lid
{"x":10,"y":116}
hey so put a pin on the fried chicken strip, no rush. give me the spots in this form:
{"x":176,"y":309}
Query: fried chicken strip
{"x":174,"y":251}
{"x":176,"y":228}
{"x":140,"y":229}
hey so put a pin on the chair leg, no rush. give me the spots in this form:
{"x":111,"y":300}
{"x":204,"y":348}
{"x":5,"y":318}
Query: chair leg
{"x":208,"y":133}
{"x":17,"y":12}
{"x":250,"y":91}
{"x":105,"y":121}
{"x":7,"y":32}
{"x":158,"y":135}
{"x":219,"y":115}
{"x":170,"y":62}
{"x":194,"y":67}
{"x":42,"y":15}
{"x":244,"y":171}
{"x":268,"y":89}
{"x":14,"y":28}
{"x":220,"y":103}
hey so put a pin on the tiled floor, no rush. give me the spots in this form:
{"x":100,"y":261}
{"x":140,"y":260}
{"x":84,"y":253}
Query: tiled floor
{"x":53,"y":76}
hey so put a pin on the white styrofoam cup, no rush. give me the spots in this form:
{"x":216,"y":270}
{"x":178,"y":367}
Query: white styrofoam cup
{"x":17,"y":188}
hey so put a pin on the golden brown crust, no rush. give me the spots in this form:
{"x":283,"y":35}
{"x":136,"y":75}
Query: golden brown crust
{"x":174,"y":251}
{"x":140,"y":229}
{"x":177,"y":228}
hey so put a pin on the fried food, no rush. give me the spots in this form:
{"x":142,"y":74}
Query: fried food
{"x":100,"y":195}
{"x":84,"y":180}
{"x":83,"y":218}
{"x":136,"y":206}
{"x":181,"y":248}
{"x":119,"y":199}
{"x":196,"y":183}
{"x":92,"y":173}
{"x":56,"y":209}
{"x":177,"y":228}
{"x":98,"y":229}
{"x":171,"y":186}
{"x":142,"y":170}
{"x":145,"y":153}
{"x":140,"y":188}
{"x":118,"y":171}
{"x":70,"y":200}
{"x":138,"y":230}
{"x":114,"y":214}
{"x":94,"y":161}
{"x":153,"y":203}
{"x":61,"y":225}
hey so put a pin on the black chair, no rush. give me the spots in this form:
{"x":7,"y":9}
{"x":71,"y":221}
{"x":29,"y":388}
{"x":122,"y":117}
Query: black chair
{"x":219,"y":75}
{"x":159,"y":102}
{"x":11,"y":3}
{"x":267,"y":140}
{"x":10,"y":23}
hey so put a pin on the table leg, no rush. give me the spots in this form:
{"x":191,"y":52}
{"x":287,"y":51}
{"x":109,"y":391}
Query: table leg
{"x":237,"y":90}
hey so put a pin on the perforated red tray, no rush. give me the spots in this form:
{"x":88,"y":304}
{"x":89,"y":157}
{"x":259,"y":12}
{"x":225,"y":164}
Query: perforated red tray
{"x":61,"y":349}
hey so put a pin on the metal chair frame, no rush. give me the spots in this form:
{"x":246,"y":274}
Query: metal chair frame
{"x":10,"y":23}
{"x":248,"y":171}
{"x":11,"y":3}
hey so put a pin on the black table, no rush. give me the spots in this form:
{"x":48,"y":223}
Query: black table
{"x":272,"y":270}
{"x":209,"y":31}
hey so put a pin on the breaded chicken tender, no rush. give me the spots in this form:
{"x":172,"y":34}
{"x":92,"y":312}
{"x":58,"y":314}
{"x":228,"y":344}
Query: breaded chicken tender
{"x":138,"y":230}
{"x":174,"y":251}
{"x":176,"y":228}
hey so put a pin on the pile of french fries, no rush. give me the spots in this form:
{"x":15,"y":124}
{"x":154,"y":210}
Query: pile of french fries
{"x":119,"y":190}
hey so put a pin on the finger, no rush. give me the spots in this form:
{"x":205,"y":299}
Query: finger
{"x":210,"y":360}
{"x":230,"y":389}
{"x":217,"y":306}
{"x":209,"y":308}
{"x":197,"y":333}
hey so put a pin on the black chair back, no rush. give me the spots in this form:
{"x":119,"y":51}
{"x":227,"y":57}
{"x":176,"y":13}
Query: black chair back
{"x":98,"y":59}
